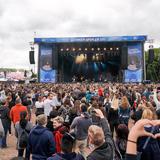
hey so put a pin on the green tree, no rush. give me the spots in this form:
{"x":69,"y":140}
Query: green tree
{"x":153,"y":69}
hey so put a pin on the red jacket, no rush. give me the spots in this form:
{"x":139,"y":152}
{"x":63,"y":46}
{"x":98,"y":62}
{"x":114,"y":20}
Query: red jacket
{"x":58,"y":134}
{"x":15,"y":112}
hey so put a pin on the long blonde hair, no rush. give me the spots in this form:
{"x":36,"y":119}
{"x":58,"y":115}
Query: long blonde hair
{"x":147,"y":114}
{"x":124,"y":102}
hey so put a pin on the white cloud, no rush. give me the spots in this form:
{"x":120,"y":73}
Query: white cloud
{"x":19,"y":19}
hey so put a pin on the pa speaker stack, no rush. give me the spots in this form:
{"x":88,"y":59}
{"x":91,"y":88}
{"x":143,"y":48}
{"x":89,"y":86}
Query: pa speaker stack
{"x":124,"y":57}
{"x":150,"y":55}
{"x":31,"y":57}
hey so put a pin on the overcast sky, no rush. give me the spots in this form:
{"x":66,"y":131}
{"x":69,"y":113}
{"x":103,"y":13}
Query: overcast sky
{"x":19,"y":19}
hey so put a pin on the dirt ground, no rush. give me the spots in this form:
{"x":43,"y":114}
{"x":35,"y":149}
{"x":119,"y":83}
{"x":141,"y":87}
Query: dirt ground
{"x":10,"y":151}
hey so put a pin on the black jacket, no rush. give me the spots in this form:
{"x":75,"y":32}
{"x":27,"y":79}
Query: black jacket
{"x":4,"y":116}
{"x":131,"y":157}
{"x":104,"y":152}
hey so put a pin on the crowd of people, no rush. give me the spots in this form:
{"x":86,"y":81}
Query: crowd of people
{"x":81,"y":121}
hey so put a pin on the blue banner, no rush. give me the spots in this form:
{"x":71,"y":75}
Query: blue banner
{"x":47,"y":73}
{"x":91,"y":39}
{"x":135,"y":61}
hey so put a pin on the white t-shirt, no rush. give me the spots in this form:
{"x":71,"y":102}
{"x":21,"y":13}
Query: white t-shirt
{"x":39,"y":104}
{"x":55,"y":102}
{"x":47,"y":107}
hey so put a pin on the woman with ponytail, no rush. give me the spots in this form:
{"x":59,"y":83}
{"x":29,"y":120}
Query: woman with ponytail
{"x":22,"y":130}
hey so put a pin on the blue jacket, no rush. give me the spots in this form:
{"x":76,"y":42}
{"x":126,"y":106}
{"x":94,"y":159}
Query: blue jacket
{"x":41,"y":143}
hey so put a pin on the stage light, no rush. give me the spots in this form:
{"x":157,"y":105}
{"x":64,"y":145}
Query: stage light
{"x":61,"y":49}
{"x":85,"y":49}
{"x":67,"y":49}
{"x":79,"y":49}
{"x":93,"y":57}
{"x":80,"y":58}
{"x":111,"y":49}
{"x":73,"y":49}
{"x":104,"y":49}
{"x":92,"y":49}
{"x":117,"y":48}
{"x":98,"y":49}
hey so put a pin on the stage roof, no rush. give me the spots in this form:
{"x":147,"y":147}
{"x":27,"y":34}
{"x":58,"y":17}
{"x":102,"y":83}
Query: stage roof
{"x":141,"y":38}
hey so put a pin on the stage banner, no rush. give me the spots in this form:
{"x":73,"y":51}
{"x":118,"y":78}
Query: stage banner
{"x":47,"y":73}
{"x":135,"y":61}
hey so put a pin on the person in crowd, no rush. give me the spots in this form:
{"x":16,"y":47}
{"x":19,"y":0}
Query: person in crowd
{"x":124,"y":111}
{"x":63,"y":111}
{"x":22,"y":128}
{"x":121,"y":138}
{"x":80,"y":126}
{"x":100,"y":140}
{"x":41,"y":141}
{"x":156,"y":98}
{"x":39,"y":106}
{"x":56,"y":101}
{"x":153,"y":146}
{"x":52,"y":115}
{"x":48,"y":107}
{"x":27,"y":101}
{"x":59,"y":131}
{"x":107,"y":104}
{"x":74,"y":111}
{"x":16,"y":110}
{"x":5,"y":119}
{"x":10,"y":104}
{"x":132,"y":142}
{"x":113,"y":114}
{"x":68,"y":143}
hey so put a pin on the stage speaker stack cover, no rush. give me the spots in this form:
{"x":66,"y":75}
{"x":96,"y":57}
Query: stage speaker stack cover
{"x":31,"y":57}
{"x":150,"y":55}
{"x":124,"y":57}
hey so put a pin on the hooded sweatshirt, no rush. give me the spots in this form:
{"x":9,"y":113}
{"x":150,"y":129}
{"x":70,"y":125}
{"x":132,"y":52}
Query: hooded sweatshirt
{"x":81,"y":124}
{"x":41,"y":143}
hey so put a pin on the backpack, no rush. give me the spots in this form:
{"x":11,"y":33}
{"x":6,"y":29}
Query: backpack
{"x":23,"y":140}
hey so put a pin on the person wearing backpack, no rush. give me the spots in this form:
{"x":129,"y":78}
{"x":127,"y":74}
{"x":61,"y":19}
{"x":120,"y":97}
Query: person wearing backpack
{"x":67,"y":144}
{"x":22,"y":130}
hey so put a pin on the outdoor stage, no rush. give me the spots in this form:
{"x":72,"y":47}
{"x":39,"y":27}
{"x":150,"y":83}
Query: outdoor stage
{"x":116,"y":59}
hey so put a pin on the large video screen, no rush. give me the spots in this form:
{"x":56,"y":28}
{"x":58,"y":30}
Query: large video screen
{"x":47,"y":73}
{"x":134,"y":71}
